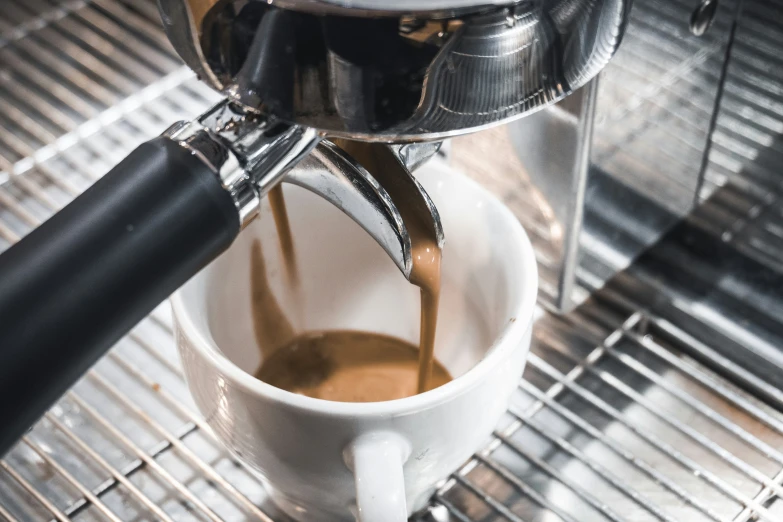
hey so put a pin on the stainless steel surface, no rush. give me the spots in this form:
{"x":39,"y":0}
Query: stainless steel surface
{"x":620,"y":167}
{"x":413,"y":155}
{"x":746,"y":147}
{"x":623,"y":413}
{"x":684,"y":126}
{"x":717,"y":292}
{"x":554,"y":147}
{"x":395,"y":74}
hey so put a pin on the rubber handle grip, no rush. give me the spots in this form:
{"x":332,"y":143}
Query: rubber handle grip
{"x":75,"y":285}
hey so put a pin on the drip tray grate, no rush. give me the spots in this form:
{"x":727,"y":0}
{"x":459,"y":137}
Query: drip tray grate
{"x":624,"y":429}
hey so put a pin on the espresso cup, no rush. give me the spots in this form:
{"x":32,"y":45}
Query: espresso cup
{"x":378,"y":461}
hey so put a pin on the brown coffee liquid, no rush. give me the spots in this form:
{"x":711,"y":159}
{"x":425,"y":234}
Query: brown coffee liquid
{"x":348,"y":366}
{"x":270,"y":323}
{"x":277,"y":204}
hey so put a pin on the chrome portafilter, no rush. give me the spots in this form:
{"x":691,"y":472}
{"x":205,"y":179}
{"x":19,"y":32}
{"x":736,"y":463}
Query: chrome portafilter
{"x":251,"y":154}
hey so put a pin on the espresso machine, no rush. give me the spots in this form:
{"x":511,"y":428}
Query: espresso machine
{"x":293,"y":74}
{"x":638,"y":145}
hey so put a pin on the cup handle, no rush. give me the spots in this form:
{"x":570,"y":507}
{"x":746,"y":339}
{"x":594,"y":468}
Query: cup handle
{"x":376,"y":460}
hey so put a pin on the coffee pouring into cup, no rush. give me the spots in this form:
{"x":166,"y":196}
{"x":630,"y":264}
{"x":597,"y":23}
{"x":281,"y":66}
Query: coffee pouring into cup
{"x":379,"y":461}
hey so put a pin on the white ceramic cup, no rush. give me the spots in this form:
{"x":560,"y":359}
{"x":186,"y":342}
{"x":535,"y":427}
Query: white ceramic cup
{"x":379,"y":462}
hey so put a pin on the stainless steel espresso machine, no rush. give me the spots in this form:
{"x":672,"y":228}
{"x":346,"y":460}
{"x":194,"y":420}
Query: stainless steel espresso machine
{"x":638,"y":144}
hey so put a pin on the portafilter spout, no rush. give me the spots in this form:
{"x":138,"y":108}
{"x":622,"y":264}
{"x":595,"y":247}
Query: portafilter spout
{"x":252,"y":154}
{"x":336,"y":176}
{"x":80,"y":281}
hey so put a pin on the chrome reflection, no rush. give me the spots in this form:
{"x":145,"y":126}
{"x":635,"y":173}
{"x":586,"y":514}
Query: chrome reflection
{"x":395,"y":76}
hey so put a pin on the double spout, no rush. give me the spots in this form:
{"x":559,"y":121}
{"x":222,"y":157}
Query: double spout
{"x":251,"y":154}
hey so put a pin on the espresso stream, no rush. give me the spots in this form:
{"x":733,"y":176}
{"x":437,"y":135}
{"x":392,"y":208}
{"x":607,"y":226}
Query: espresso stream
{"x":426,"y":275}
{"x":277,"y":204}
{"x":348,"y":366}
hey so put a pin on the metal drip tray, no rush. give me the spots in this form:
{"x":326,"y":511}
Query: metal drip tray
{"x":620,"y":415}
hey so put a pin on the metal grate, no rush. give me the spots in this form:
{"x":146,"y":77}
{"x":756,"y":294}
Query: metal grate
{"x":70,"y":68}
{"x":624,"y":429}
{"x":612,"y":421}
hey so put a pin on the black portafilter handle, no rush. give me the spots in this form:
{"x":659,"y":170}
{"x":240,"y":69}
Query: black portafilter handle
{"x":75,"y":285}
